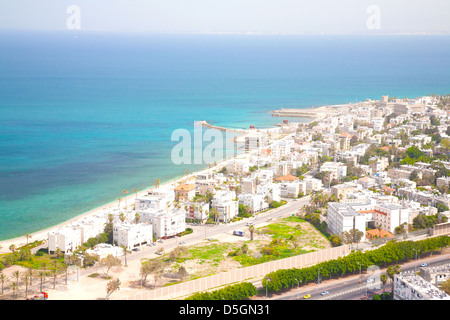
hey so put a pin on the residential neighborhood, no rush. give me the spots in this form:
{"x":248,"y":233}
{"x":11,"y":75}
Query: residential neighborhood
{"x":367,"y":173}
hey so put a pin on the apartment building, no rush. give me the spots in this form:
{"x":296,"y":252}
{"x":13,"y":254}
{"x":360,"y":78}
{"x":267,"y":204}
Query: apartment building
{"x":255,"y":202}
{"x":156,"y":199}
{"x":185,"y":192}
{"x":342,"y":190}
{"x":168,"y":224}
{"x":410,"y":286}
{"x":337,"y":169}
{"x":272,"y":190}
{"x":132,"y":235}
{"x":198,"y":211}
{"x":225,"y":204}
{"x":67,"y":240}
{"x":289,"y":189}
{"x":345,"y":216}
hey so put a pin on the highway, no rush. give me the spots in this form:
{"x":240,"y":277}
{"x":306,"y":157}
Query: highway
{"x":354,"y":287}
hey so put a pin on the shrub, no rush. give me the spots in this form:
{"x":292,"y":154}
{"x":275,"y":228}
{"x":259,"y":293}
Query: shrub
{"x":238,"y":291}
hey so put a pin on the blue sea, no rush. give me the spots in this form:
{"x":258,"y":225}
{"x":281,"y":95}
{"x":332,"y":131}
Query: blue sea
{"x":85,"y":115}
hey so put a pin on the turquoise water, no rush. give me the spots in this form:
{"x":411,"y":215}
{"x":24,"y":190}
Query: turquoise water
{"x":84,"y":117}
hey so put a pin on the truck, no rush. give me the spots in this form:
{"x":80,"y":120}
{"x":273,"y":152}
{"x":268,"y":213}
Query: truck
{"x":238,"y":233}
{"x":40,"y":296}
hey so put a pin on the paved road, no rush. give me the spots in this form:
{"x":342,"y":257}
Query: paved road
{"x":354,"y":287}
{"x":202,"y":232}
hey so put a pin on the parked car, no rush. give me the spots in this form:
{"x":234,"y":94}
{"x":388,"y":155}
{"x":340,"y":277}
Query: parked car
{"x":424,"y":264}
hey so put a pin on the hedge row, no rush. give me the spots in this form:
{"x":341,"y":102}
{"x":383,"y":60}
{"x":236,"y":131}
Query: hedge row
{"x":238,"y":291}
{"x":391,"y":253}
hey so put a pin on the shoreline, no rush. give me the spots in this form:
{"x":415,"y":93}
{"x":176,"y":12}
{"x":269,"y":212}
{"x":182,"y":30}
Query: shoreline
{"x":43,"y":234}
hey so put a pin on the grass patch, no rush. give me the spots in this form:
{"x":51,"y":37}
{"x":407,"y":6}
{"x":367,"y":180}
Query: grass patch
{"x":211,"y":253}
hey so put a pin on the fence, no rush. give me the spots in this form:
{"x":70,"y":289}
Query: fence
{"x":241,"y":274}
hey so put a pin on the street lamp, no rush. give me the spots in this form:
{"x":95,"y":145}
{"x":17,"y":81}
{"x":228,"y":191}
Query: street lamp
{"x":359,"y":282}
{"x":298,"y":288}
{"x":415,"y":263}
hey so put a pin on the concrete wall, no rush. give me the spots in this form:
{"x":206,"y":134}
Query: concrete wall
{"x":241,"y":274}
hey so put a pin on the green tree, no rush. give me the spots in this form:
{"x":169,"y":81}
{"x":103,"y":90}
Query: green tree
{"x":391,"y":272}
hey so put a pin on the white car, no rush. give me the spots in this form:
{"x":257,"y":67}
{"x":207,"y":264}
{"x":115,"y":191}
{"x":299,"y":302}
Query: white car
{"x":324,"y":292}
{"x":370,"y":280}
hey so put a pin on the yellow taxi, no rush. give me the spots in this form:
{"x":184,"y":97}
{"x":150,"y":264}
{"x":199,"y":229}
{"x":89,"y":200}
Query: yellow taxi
{"x":307,"y":296}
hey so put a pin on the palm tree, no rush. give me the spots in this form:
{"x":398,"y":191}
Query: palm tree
{"x":157,"y":183}
{"x":16,"y":274}
{"x":252,"y":230}
{"x":215,"y":214}
{"x":13,"y":287}
{"x":384,"y":279}
{"x":135,"y":192}
{"x":12,"y":248}
{"x":125,"y":195}
{"x":30,"y":275}
{"x":137,"y":217}
{"x":28,"y":236}
{"x":2,"y":280}
{"x":122,"y":217}
{"x":41,"y":276}
{"x":119,"y":199}
{"x":125,"y":254}
{"x":391,"y":272}
{"x":25,"y":277}
{"x":55,"y":273}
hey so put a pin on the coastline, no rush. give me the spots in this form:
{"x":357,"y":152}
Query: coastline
{"x":43,"y":234}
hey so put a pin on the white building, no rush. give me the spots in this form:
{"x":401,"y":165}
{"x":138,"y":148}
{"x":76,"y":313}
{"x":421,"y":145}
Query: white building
{"x":410,"y":286}
{"x":67,"y":240}
{"x":255,"y":202}
{"x":102,"y":250}
{"x":289,"y":189}
{"x":168,"y":224}
{"x":336,"y":169}
{"x":197,"y":211}
{"x":238,"y":166}
{"x":272,"y":190}
{"x":255,"y":141}
{"x":310,"y":184}
{"x":346,"y":216}
{"x":281,"y":149}
{"x":248,"y":185}
{"x":226,"y":205}
{"x":132,"y":235}
{"x":156,"y":199}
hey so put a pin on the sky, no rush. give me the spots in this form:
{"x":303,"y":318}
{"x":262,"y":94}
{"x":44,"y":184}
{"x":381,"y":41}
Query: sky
{"x":230,"y":16}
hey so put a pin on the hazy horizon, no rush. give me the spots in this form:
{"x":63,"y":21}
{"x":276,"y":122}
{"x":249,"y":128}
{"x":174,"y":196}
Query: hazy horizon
{"x":231,"y":16}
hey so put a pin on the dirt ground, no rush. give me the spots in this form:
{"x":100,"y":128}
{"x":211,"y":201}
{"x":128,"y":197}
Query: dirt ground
{"x":94,"y":288}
